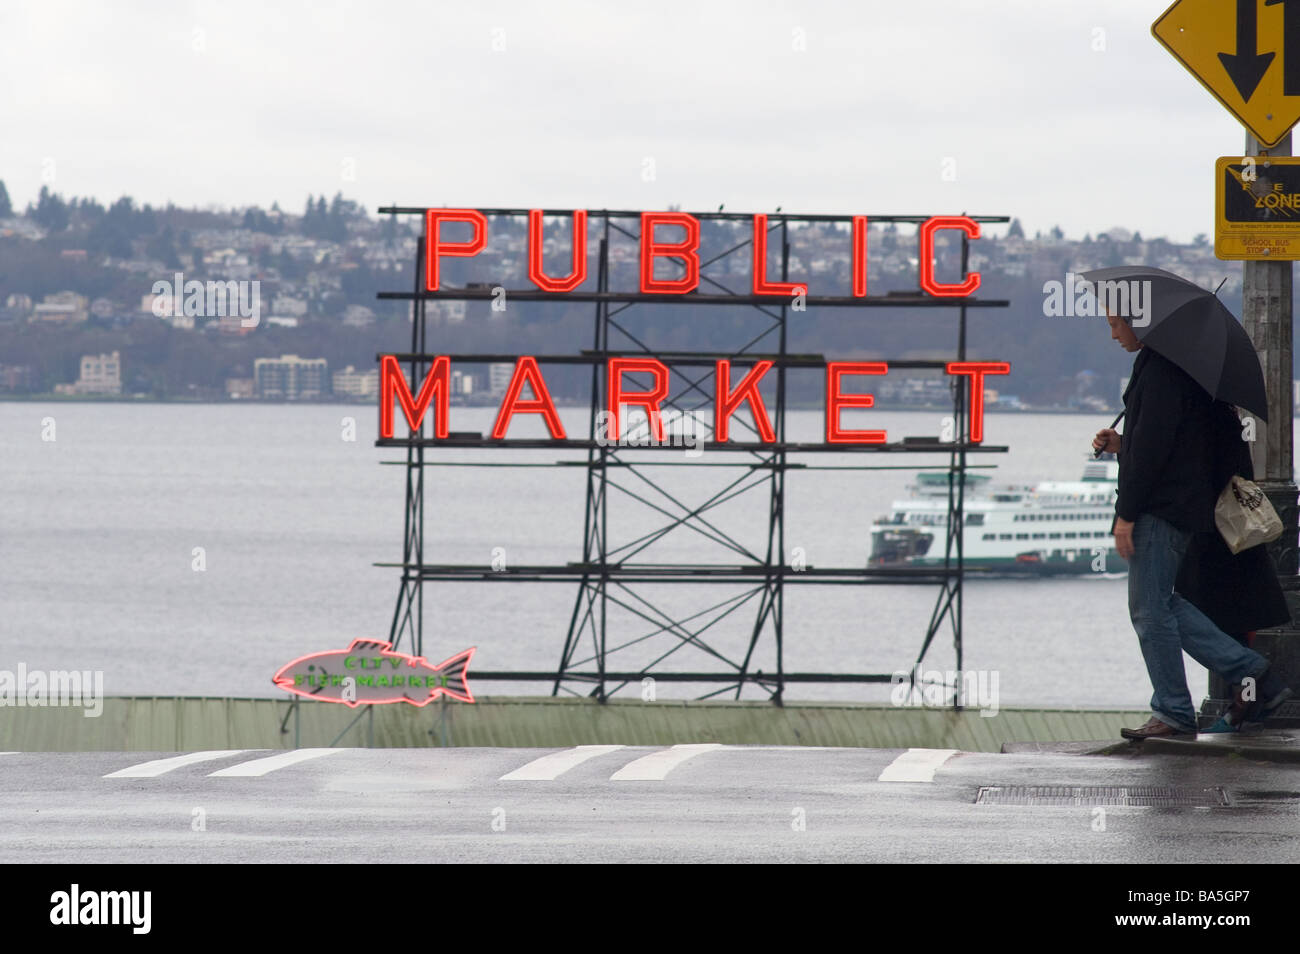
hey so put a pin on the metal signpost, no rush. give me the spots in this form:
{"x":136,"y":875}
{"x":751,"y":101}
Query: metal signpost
{"x":732,"y":635}
{"x":1247,"y":54}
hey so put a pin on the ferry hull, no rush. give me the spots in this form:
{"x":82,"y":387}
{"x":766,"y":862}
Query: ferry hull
{"x":1084,"y":564}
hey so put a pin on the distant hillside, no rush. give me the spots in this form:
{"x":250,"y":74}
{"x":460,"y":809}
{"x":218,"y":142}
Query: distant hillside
{"x":319,"y":272}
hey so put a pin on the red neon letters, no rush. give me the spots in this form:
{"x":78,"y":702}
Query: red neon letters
{"x":435,"y":247}
{"x":578,"y":274}
{"x":761,"y":285}
{"x":859,"y":256}
{"x":926,"y":239}
{"x":526,"y":369}
{"x":977,"y":370}
{"x":392,"y":383}
{"x":686,"y":251}
{"x":835,"y":434}
{"x":649,"y":400}
{"x":729,"y":401}
{"x":393,"y":387}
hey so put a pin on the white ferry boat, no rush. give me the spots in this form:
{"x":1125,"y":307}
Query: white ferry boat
{"x":1052,"y":528}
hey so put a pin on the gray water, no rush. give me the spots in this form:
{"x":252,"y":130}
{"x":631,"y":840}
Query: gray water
{"x":98,"y":531}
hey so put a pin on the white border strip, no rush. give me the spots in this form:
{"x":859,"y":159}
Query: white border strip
{"x":916,"y":765}
{"x":259,"y":767}
{"x":550,"y":767}
{"x":162,"y":766}
{"x":655,"y":766}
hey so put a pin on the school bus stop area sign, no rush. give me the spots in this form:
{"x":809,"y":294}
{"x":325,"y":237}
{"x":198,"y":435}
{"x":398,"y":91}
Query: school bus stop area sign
{"x":1257,"y":208}
{"x":1246,"y":53}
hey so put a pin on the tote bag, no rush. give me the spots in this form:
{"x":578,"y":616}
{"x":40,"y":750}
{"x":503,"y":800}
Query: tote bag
{"x":1244,"y":516}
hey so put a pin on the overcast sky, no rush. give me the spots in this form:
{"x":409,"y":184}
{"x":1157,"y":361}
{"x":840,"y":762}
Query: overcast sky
{"x":844,"y":107}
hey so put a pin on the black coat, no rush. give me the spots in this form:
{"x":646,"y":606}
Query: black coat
{"x":1239,"y":593}
{"x":1165,"y":459}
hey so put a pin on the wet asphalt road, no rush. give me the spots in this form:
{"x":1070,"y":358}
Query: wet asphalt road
{"x":627,"y":804}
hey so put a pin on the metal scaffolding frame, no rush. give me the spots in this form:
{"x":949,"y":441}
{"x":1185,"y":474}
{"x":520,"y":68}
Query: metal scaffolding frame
{"x":607,"y":575}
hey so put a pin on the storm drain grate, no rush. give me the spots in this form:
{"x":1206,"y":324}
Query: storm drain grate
{"x":1077,"y":796}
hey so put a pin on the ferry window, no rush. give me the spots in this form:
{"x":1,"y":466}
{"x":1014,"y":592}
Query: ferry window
{"x":975,"y":519}
{"x":1053,"y":536}
{"x":1039,"y":536}
{"x":988,"y":536}
{"x":1004,"y":536}
{"x":1022,"y":536}
{"x":1070,"y":536}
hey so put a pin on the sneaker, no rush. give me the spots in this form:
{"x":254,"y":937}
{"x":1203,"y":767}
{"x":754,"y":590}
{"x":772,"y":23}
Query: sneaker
{"x":1272,"y":692}
{"x":1224,"y":723}
{"x":1155,"y":729}
{"x":1234,"y":715}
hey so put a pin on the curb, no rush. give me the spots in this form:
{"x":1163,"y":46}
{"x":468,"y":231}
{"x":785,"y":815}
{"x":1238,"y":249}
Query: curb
{"x":1259,"y":749}
{"x":1098,"y":747}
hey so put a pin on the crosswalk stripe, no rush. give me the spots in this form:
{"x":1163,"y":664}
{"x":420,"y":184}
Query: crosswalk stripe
{"x":655,"y":766}
{"x":260,"y":767}
{"x":550,"y":767}
{"x":158,"y":767}
{"x":916,"y":765}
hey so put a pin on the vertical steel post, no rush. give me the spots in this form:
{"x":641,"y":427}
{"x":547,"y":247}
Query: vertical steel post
{"x":1266,"y":314}
{"x":602,"y":555}
{"x":778,"y":476}
{"x":962,"y":428}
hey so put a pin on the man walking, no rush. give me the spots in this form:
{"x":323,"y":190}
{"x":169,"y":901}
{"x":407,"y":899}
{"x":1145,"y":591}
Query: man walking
{"x":1167,"y":493}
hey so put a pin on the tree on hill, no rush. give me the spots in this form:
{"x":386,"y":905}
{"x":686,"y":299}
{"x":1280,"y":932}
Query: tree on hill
{"x":6,"y":208}
{"x":51,"y":211}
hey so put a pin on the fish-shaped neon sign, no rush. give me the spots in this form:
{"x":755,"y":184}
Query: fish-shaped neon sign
{"x":370,"y":672}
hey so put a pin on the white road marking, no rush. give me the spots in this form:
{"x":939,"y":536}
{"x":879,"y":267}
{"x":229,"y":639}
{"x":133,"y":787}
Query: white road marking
{"x":916,"y":765}
{"x":550,"y":767}
{"x":655,"y":766}
{"x":162,"y":766}
{"x":260,"y":767}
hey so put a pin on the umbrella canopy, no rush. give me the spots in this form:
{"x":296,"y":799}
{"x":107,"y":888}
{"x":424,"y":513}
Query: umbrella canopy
{"x":1190,"y":326}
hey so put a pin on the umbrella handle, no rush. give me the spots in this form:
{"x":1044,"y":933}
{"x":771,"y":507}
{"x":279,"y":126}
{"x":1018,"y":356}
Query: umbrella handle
{"x":1119,"y":417}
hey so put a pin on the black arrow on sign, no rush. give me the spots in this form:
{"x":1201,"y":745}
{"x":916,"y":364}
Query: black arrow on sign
{"x":1290,"y":46}
{"x":1246,"y":67}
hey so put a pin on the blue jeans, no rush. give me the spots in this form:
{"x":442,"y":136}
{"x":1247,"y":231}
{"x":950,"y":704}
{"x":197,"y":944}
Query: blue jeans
{"x":1167,"y":625}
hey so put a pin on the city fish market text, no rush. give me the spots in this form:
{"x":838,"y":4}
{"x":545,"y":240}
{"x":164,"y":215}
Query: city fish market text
{"x":370,"y":672}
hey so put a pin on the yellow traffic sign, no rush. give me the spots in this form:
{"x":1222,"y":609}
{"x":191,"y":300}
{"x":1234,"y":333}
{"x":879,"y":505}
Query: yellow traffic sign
{"x":1246,"y":53}
{"x":1257,"y":208}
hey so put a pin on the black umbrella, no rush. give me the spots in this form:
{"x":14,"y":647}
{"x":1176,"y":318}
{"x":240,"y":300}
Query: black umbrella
{"x":1190,"y":326}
